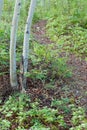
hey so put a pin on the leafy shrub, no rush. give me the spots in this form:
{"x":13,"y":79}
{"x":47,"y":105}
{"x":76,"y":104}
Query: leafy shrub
{"x":78,"y":119}
{"x":20,"y":112}
{"x":45,"y":66}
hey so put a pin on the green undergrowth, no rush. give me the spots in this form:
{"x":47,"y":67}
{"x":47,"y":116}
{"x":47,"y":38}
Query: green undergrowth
{"x":67,"y":25}
{"x":46,"y":64}
{"x":19,"y":113}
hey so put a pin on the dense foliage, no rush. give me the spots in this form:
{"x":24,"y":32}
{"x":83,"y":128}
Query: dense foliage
{"x":20,"y":113}
{"x":67,"y":25}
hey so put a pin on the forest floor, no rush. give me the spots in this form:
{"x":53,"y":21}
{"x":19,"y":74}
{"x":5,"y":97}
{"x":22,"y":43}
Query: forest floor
{"x":75,"y":87}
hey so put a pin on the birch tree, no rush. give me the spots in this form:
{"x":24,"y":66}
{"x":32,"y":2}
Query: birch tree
{"x":43,"y":2}
{"x":25,"y":54}
{"x":13,"y":75}
{"x":1,"y":7}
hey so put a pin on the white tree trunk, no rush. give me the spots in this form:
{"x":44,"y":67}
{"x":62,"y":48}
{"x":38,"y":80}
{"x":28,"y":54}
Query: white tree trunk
{"x":13,"y":75}
{"x":1,"y":7}
{"x":43,"y":3}
{"x":26,"y":42}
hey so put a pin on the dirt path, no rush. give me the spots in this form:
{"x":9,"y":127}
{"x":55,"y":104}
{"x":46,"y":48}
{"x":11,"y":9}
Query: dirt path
{"x":39,"y":32}
{"x":77,"y":85}
{"x":75,"y":88}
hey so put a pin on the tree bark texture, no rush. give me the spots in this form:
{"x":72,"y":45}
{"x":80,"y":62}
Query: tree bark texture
{"x":26,"y":42}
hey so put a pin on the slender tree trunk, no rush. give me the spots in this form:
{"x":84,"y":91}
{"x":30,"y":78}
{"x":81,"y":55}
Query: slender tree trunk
{"x":25,"y":54}
{"x":1,"y":7}
{"x":43,"y":3}
{"x":13,"y":75}
{"x":46,"y":5}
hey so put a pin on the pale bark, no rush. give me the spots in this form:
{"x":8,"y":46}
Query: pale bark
{"x":13,"y":75}
{"x":43,"y":3}
{"x":25,"y":54}
{"x":46,"y":4}
{"x":1,"y":7}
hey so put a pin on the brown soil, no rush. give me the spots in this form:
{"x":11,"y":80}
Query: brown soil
{"x":39,"y":32}
{"x":74,"y":88}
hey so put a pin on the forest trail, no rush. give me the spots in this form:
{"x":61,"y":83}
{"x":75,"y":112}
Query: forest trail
{"x":77,"y":85}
